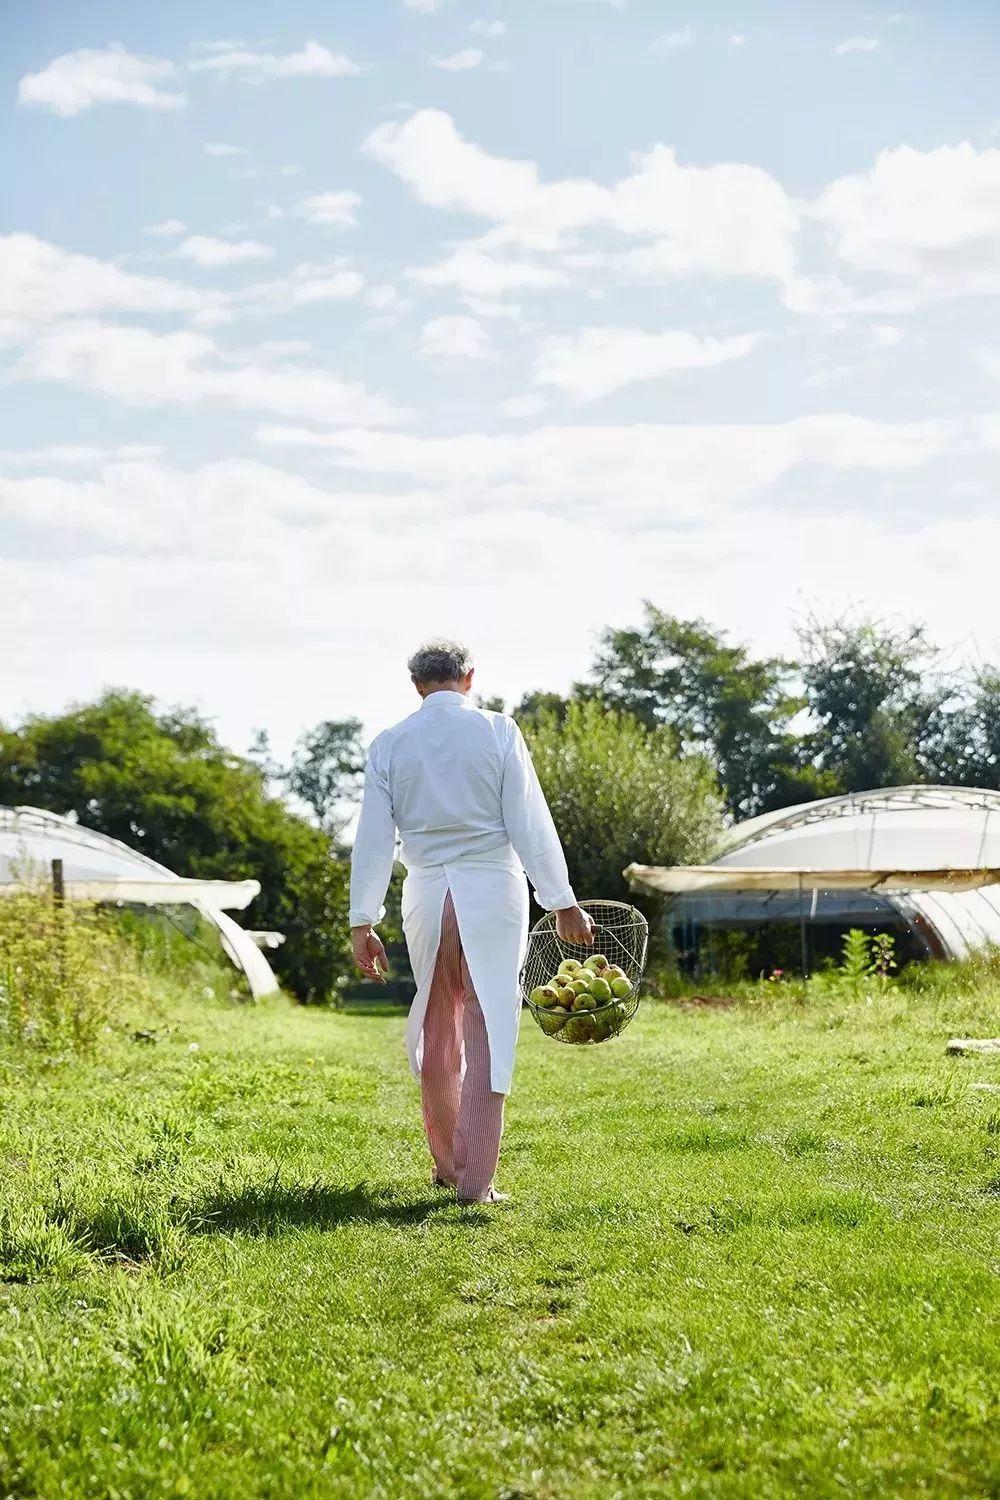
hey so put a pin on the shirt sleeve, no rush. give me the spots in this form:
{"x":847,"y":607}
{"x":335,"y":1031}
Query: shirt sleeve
{"x":531,"y":829}
{"x":374,"y":846}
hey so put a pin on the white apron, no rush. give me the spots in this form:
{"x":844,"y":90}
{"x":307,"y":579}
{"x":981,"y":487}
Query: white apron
{"x":490,"y":895}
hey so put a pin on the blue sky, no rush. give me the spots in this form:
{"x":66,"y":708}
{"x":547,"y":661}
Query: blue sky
{"x":327,"y":327}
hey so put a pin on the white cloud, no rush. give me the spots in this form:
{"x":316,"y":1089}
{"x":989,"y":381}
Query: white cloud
{"x":424,"y":7}
{"x":930,"y":219}
{"x":988,"y":427}
{"x":596,"y":362}
{"x":382,"y":296}
{"x":77,"y":455}
{"x":238,"y":540}
{"x":222,"y":510}
{"x":306,"y":284}
{"x":656,"y":472}
{"x":476,"y":273}
{"x":334,"y":210}
{"x":41,"y":283}
{"x":222,"y":148}
{"x":728,"y":219}
{"x":454,"y":339}
{"x":313,"y":61}
{"x":78,"y":80}
{"x":990,"y":361}
{"x":856,"y":44}
{"x":523,"y":406}
{"x":167,"y":230}
{"x":674,"y":41}
{"x":885,"y":335}
{"x":220,"y":44}
{"x":142,"y":368}
{"x":459,"y":62}
{"x":489,"y":307}
{"x":206,"y":250}
{"x":737,"y":39}
{"x":489,"y":29}
{"x":446,"y":171}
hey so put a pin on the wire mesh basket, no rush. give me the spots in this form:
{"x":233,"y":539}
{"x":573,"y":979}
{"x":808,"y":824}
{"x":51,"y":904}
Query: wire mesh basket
{"x":582,"y":1015}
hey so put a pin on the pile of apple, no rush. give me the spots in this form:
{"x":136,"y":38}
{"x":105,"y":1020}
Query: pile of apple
{"x":585,"y":1001}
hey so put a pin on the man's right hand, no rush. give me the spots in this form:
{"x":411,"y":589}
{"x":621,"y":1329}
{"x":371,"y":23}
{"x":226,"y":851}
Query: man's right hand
{"x":574,"y":925}
{"x":369,"y":955}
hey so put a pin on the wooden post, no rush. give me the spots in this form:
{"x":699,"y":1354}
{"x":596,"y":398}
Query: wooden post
{"x":59,"y":896}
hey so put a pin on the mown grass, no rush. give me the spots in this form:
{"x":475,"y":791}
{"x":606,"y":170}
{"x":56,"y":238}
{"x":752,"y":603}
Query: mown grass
{"x":752,"y":1252}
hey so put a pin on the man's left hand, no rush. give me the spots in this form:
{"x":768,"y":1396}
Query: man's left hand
{"x":369,"y":954}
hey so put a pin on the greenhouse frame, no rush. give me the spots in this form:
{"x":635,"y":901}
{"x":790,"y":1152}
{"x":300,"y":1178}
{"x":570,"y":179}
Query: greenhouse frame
{"x":925,"y":859}
{"x":91,"y":866}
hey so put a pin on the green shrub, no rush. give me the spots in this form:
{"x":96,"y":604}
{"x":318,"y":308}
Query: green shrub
{"x":867,"y":966}
{"x":620,"y":792}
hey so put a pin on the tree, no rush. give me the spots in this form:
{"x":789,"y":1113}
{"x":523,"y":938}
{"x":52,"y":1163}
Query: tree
{"x":876,"y":703}
{"x":966,"y":749}
{"x":535,"y":704}
{"x":328,"y":763}
{"x":619,"y":792}
{"x":720,"y":701}
{"x":162,"y":782}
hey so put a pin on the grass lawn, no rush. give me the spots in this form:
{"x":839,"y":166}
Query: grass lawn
{"x":751,"y":1252}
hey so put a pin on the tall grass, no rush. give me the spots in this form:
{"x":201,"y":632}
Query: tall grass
{"x":63,"y":973}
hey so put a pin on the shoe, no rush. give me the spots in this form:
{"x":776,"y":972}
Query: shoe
{"x":442,"y":1182}
{"x":491,"y":1197}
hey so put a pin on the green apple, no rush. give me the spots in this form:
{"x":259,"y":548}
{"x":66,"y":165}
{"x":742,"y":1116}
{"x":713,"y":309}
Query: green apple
{"x":600,"y":989}
{"x":579,"y":1027}
{"x":554,"y":1020}
{"x":569,"y":966}
{"x":545,"y":995}
{"x":584,"y":1001}
{"x":614,"y":972}
{"x":621,"y":988}
{"x":580,"y":986}
{"x":605,"y":1025}
{"x":596,"y":963}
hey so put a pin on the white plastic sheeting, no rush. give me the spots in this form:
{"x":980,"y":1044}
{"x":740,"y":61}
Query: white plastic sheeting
{"x":937,"y":848}
{"x":680,"y":879}
{"x":99,"y":868}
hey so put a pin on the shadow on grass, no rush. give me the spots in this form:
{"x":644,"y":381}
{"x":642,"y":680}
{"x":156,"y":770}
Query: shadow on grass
{"x":272,"y":1206}
{"x":136,"y":1230}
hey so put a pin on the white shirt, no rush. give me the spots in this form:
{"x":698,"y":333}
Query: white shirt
{"x":456,"y":781}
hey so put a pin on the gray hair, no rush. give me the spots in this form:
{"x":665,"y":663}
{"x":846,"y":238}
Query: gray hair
{"x":440,"y":661}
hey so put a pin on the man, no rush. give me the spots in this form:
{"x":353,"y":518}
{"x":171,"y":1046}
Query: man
{"x":458,"y":783}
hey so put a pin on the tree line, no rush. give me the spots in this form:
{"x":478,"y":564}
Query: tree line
{"x":865,"y":703}
{"x":674,"y":730}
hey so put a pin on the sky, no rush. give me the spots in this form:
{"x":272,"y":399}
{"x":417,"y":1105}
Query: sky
{"x":326,"y":328}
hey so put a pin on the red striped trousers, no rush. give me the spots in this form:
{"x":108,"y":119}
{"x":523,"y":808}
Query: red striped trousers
{"x":463,"y":1118}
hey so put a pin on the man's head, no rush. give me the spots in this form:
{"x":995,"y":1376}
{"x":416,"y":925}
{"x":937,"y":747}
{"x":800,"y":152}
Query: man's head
{"x":441,"y":665}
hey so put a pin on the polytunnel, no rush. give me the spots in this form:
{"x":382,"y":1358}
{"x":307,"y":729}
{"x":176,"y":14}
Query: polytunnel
{"x":95,"y":867}
{"x":923,"y":858}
